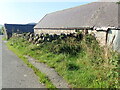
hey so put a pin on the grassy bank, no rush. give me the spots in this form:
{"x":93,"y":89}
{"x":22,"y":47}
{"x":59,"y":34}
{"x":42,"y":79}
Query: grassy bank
{"x":42,"y":77}
{"x":81,"y":62}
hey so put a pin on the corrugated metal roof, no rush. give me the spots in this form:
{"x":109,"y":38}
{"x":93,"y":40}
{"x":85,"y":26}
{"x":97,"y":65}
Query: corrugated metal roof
{"x":19,"y":28}
{"x":98,"y":14}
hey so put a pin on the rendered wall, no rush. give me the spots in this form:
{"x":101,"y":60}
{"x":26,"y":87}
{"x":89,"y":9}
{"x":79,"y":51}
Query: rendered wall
{"x":113,"y":39}
{"x":117,"y":47}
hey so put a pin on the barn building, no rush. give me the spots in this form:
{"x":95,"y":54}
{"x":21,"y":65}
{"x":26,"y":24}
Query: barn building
{"x":18,"y":28}
{"x":101,"y":18}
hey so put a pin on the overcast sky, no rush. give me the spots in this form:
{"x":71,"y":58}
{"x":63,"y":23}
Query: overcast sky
{"x":27,"y":11}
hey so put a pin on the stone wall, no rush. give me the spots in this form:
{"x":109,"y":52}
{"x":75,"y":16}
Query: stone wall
{"x":50,"y":31}
{"x":111,"y":38}
{"x":7,"y":34}
{"x":103,"y":36}
{"x":100,"y":35}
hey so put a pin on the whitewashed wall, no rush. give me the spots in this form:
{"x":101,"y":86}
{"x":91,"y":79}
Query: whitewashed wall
{"x":118,"y":41}
{"x":114,"y":39}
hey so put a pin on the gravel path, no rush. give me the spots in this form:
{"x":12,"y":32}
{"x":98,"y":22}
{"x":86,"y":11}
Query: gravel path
{"x":16,"y":74}
{"x":57,"y":80}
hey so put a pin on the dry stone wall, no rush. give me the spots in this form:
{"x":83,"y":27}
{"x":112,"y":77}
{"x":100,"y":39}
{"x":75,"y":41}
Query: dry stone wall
{"x":50,"y":31}
{"x":39,"y":38}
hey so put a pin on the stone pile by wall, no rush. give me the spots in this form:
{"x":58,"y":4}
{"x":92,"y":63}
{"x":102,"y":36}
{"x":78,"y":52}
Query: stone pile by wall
{"x":40,"y":38}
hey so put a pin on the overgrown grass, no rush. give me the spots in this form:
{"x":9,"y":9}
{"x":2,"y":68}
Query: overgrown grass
{"x":82,"y":63}
{"x":42,"y":77}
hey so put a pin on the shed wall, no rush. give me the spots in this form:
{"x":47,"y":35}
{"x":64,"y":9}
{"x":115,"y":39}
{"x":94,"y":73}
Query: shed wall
{"x":112,"y":39}
{"x":50,"y":31}
{"x":118,"y":41}
{"x":100,"y":36}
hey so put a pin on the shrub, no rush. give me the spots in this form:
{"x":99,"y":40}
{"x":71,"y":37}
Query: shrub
{"x":79,"y":36}
{"x":72,"y":66}
{"x":67,"y":46}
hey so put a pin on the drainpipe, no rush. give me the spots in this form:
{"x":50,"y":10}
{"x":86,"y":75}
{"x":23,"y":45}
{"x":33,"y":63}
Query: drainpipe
{"x":107,"y":36}
{"x":106,"y":47}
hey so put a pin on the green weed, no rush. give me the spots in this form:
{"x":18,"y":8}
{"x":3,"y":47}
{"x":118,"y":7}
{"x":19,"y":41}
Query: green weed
{"x":82,"y":63}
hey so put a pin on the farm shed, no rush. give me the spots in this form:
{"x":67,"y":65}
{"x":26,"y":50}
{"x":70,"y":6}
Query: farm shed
{"x":114,"y":39}
{"x":18,"y":28}
{"x":100,"y":18}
